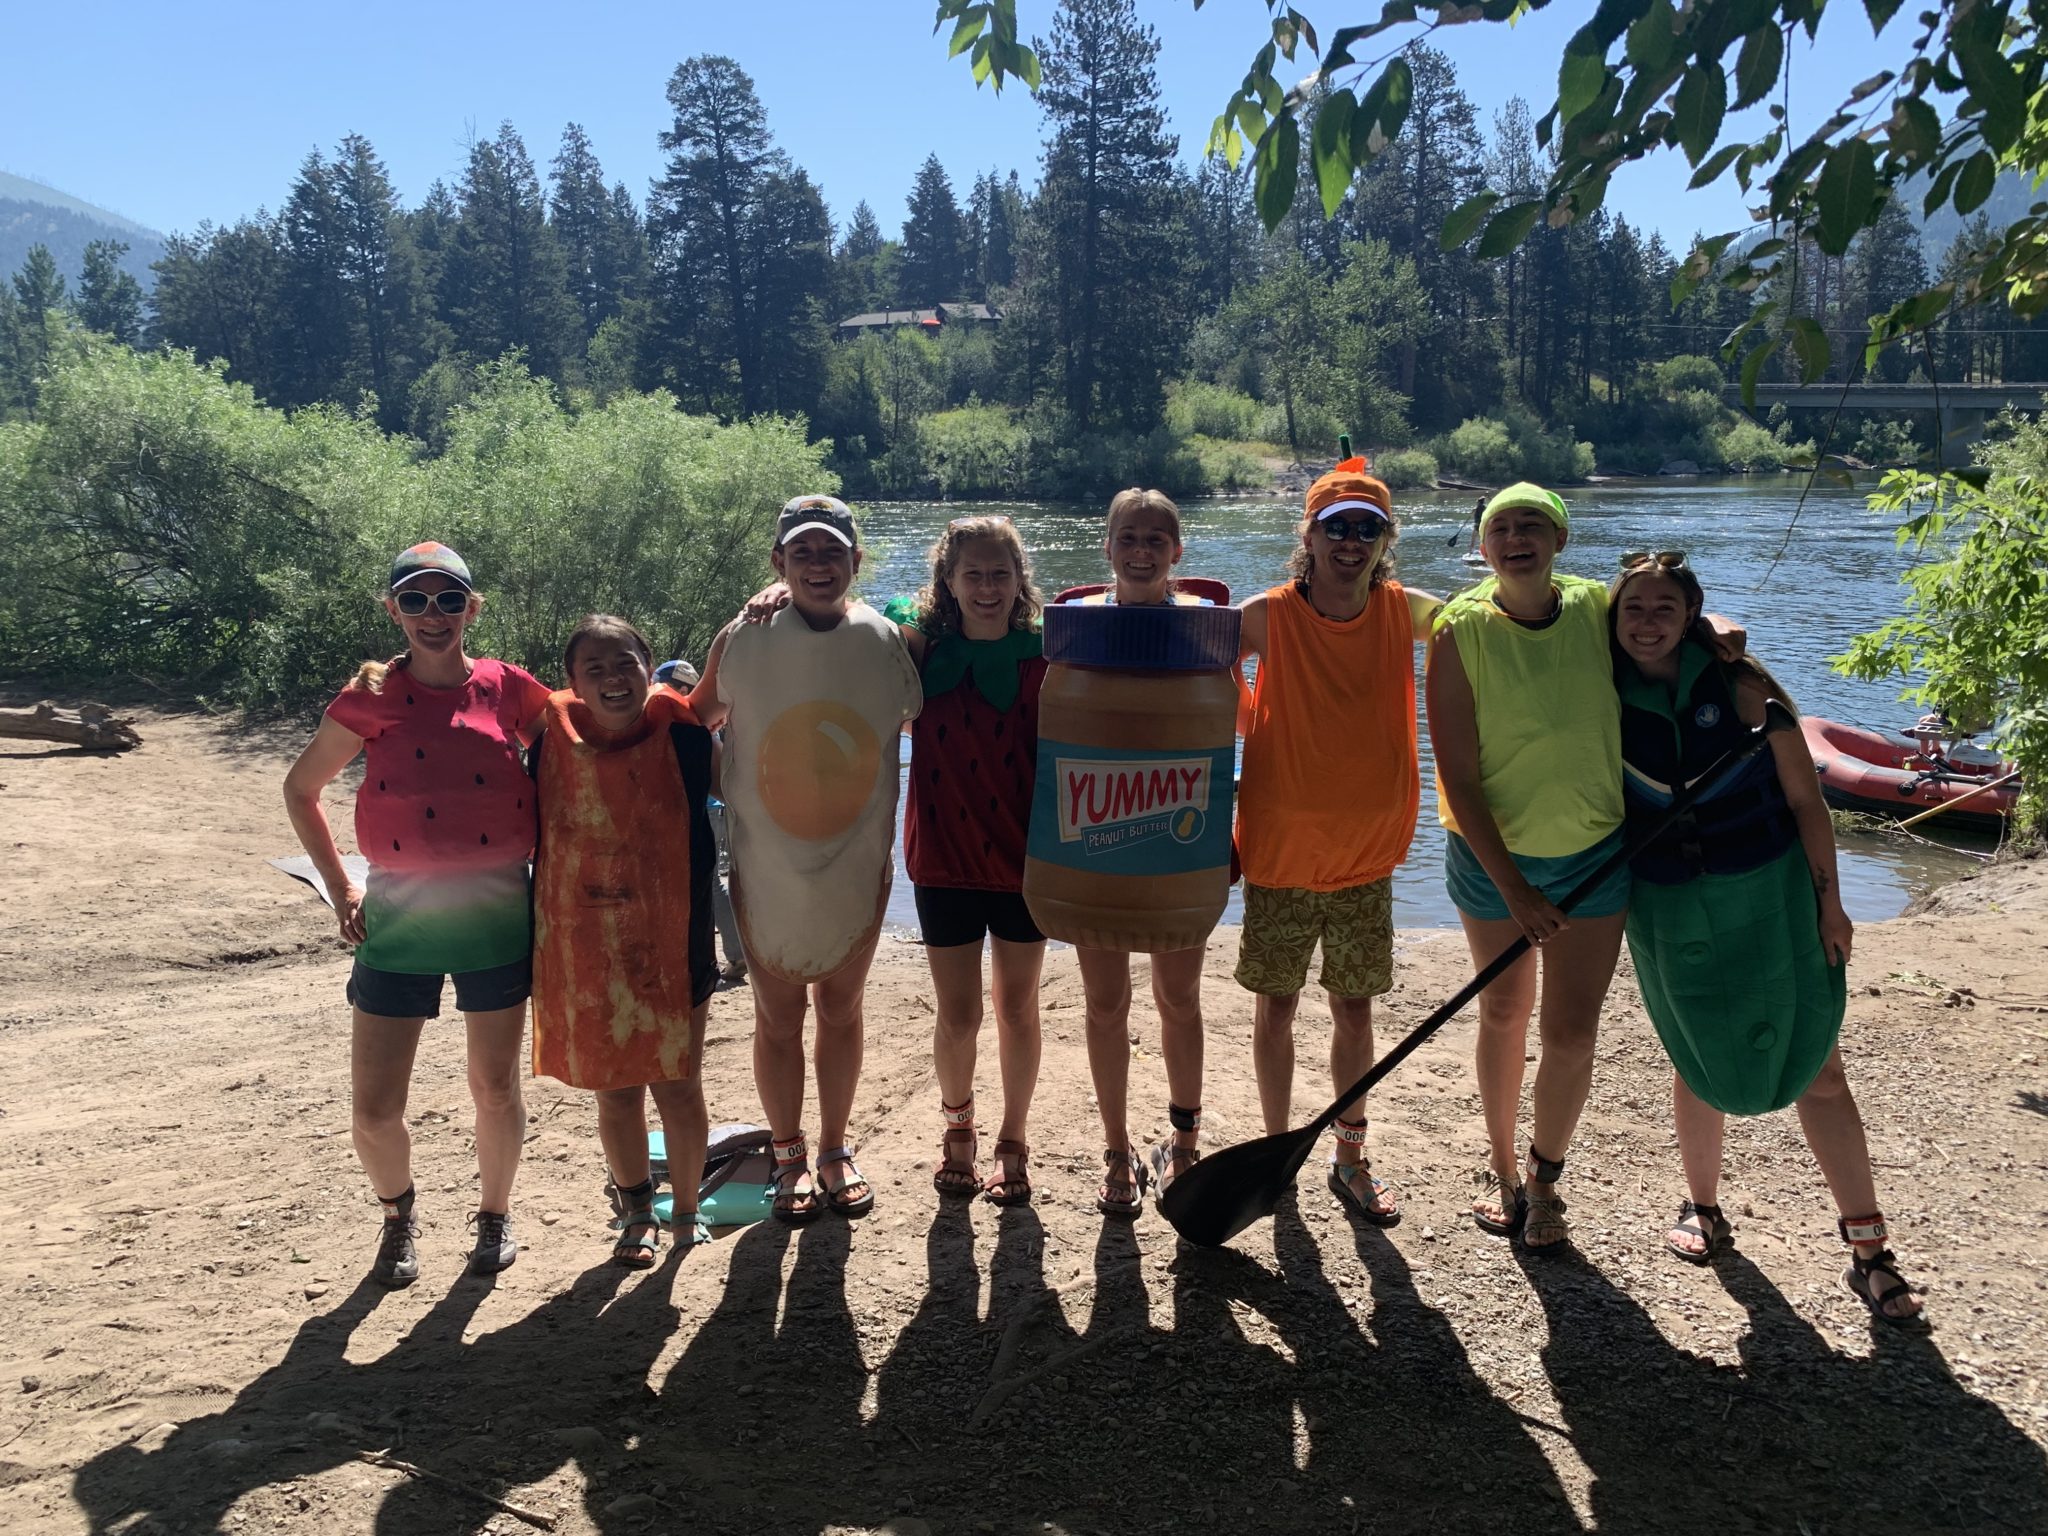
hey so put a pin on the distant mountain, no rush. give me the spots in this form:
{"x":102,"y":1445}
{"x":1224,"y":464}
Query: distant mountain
{"x":2011,"y":196}
{"x":33,"y":214}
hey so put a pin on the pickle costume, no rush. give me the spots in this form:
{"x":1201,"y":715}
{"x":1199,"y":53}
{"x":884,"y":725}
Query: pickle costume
{"x":622,"y":895}
{"x":1723,"y":923}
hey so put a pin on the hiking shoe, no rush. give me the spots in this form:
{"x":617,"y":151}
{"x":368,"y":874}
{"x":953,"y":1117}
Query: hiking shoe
{"x":494,"y":1248}
{"x":398,"y":1258}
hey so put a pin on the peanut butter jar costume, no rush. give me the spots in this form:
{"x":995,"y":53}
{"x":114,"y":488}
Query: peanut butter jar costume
{"x":622,"y":895}
{"x":810,"y":783}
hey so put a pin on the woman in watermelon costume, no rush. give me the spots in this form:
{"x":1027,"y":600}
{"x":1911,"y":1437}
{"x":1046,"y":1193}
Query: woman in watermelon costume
{"x":1736,"y":926}
{"x":813,"y":702}
{"x":623,"y":966}
{"x":973,"y":754}
{"x":445,"y":817}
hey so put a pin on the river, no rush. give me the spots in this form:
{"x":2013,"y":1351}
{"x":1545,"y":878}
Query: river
{"x":1838,"y":575}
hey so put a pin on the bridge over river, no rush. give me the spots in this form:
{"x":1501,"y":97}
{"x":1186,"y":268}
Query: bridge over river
{"x":1960,"y":410}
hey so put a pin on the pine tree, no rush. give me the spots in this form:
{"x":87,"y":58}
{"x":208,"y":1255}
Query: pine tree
{"x":109,"y":299}
{"x":999,"y":243}
{"x":220,"y":292}
{"x":598,"y":230}
{"x":505,"y":283}
{"x":932,"y":239}
{"x":381,"y":289}
{"x":791,"y":253}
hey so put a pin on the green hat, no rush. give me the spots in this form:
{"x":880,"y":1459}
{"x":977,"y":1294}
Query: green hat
{"x":1526,"y":493}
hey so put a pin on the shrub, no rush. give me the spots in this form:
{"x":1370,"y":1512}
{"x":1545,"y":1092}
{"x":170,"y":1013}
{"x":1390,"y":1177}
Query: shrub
{"x":1480,"y":447}
{"x":1195,"y":408}
{"x":1887,"y":440}
{"x":1229,"y":466}
{"x":1403,"y":468}
{"x":1745,"y":444}
{"x":1676,"y":375}
{"x":1517,"y":447}
{"x":977,"y":450}
{"x":1316,"y":427}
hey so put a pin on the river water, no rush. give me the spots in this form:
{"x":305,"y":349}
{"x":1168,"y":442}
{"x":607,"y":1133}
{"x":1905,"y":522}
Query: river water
{"x":1836,"y":575}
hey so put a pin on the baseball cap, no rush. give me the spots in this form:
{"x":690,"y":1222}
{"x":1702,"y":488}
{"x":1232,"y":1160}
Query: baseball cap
{"x":800,"y":514}
{"x":1526,"y":493}
{"x":677,"y":674}
{"x":427,"y":558}
{"x":1348,"y":489}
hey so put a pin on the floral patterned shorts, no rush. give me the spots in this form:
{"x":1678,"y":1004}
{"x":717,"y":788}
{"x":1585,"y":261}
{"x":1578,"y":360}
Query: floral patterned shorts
{"x":1282,"y":927}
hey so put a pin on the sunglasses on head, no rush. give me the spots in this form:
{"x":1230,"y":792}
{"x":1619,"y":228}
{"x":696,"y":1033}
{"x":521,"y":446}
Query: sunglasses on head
{"x":1663,"y":559}
{"x":450,"y":600}
{"x":1365,"y":529}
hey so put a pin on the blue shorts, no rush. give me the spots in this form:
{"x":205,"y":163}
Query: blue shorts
{"x":1474,"y":893}
{"x":402,"y":995}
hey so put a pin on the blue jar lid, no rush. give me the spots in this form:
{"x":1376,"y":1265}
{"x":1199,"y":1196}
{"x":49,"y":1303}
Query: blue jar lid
{"x":1163,"y":639}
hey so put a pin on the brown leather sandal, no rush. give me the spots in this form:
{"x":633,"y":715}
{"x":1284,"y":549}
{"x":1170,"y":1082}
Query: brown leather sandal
{"x":956,"y":1178}
{"x":1010,"y":1184}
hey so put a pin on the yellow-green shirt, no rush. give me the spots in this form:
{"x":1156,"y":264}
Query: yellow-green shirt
{"x":1549,"y":719}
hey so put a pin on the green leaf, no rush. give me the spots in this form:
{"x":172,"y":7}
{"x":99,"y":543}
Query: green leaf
{"x":1711,"y":171}
{"x":1880,"y":12}
{"x":1651,"y":36}
{"x":1848,"y":185}
{"x":1464,"y":219}
{"x":1279,"y":165}
{"x":1938,"y":193}
{"x":1757,"y":66}
{"x":1980,"y":171}
{"x":1505,"y":231}
{"x":1400,"y":94}
{"x":1026,"y":66}
{"x":1998,"y":89}
{"x":1811,"y":343}
{"x":1915,"y":131}
{"x":1582,"y":75}
{"x":1696,"y":114}
{"x":1753,"y":365}
{"x":971,"y":24}
{"x":1331,"y":148}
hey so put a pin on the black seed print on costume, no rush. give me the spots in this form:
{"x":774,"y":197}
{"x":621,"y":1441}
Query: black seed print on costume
{"x":519,"y":805}
{"x":973,"y":763}
{"x":430,"y":813}
{"x":380,"y":783}
{"x":986,"y":844}
{"x":999,"y":726}
{"x":483,"y":837}
{"x":942,"y":731}
{"x":408,"y":698}
{"x":419,"y":752}
{"x":1009,"y":758}
{"x":394,"y":845}
{"x":479,"y":778}
{"x":963,"y":813}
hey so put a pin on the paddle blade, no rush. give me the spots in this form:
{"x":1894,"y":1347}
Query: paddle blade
{"x":1230,"y":1189}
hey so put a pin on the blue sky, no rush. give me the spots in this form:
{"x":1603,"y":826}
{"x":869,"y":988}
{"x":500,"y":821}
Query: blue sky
{"x":173,"y":114}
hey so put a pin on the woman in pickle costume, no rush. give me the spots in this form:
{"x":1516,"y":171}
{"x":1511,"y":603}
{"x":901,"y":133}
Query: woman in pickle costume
{"x":1527,"y":736}
{"x":445,"y":817}
{"x":1735,"y":922}
{"x":1327,"y":799}
{"x":813,"y":702}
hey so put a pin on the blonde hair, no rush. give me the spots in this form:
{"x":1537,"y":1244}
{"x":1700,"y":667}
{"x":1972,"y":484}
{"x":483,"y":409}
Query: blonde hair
{"x":1140,"y":499}
{"x":371,"y":675}
{"x":938,"y":611}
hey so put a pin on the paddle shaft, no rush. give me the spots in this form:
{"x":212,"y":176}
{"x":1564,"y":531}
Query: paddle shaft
{"x":1682,"y":802}
{"x":1949,"y":805}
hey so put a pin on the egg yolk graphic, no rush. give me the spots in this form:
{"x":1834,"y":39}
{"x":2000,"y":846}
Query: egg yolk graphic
{"x":818,"y":766}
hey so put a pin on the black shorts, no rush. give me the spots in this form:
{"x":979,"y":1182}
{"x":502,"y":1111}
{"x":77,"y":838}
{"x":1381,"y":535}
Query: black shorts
{"x":950,"y":917}
{"x":401,"y":995}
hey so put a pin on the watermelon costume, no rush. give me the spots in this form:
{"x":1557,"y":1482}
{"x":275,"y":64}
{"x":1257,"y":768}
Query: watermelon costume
{"x":1723,"y":923}
{"x":445,"y":817}
{"x":622,"y":895}
{"x":973,"y":756}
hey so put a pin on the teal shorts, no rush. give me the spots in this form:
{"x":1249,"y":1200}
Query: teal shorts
{"x":1474,"y":893}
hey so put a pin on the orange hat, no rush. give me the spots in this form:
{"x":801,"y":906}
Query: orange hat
{"x":1348,"y":488}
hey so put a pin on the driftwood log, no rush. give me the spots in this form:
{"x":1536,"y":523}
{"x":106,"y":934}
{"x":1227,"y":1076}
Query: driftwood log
{"x":89,"y":725}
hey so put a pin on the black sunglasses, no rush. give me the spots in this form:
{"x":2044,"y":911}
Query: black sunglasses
{"x":450,"y":600}
{"x":1365,"y":529}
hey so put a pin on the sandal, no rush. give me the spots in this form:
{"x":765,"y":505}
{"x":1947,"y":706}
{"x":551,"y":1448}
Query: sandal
{"x":1544,"y":1229}
{"x":1708,"y":1225}
{"x":1862,"y":1273}
{"x":1170,"y":1159}
{"x":1493,"y":1194}
{"x":1355,"y":1184}
{"x":793,"y":1206}
{"x":1131,"y":1181}
{"x":953,"y":1178}
{"x":639,"y":1230}
{"x":1010,"y":1184}
{"x":688,"y":1228}
{"x":852,"y":1207}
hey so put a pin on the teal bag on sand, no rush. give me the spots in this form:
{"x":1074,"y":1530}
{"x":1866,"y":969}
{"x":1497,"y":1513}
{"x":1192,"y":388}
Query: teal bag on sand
{"x":1734,"y":978}
{"x":738,"y":1186}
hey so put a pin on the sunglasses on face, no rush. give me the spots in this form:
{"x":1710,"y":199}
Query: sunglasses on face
{"x":1365,"y":529}
{"x":1663,"y":559}
{"x":412,"y":604}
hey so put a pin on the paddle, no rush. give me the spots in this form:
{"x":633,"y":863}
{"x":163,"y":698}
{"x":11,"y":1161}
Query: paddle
{"x":1230,"y":1189}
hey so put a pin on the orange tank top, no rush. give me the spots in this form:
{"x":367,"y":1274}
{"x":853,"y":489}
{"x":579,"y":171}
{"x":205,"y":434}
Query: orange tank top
{"x":1330,"y":785}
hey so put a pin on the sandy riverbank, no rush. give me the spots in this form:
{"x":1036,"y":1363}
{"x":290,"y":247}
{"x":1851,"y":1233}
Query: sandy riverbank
{"x":185,"y":1345}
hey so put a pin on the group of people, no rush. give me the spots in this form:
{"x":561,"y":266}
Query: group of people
{"x":1565,"y":716}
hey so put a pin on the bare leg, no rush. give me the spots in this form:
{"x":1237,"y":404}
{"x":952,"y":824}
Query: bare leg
{"x":1273,"y":1057}
{"x":1350,"y":1058}
{"x":1016,"y":969}
{"x":1504,"y":1010}
{"x":1578,"y":965}
{"x":1834,"y":1130}
{"x":1699,"y":1127}
{"x":685,"y":1126}
{"x":837,"y":1056}
{"x":1177,"y":994}
{"x":956,"y":1032}
{"x":496,"y":1068}
{"x":622,"y":1132}
{"x":779,"y":1010}
{"x":1106,"y":990}
{"x":380,"y":1059}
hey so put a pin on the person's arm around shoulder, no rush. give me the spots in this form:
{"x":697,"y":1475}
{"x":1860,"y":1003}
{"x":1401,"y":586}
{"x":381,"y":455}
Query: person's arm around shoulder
{"x":1801,"y":784}
{"x":1422,"y":612}
{"x":705,"y":704}
{"x":909,"y":676}
{"x":1254,"y":626}
{"x":1454,"y":738}
{"x":332,"y":748}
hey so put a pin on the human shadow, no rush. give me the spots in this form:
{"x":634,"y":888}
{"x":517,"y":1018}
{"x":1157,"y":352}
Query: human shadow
{"x":1797,"y":1435}
{"x":2028,"y":1099}
{"x":461,"y":1410}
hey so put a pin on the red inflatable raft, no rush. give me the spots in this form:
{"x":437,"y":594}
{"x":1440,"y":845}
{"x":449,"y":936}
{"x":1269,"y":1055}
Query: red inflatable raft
{"x":1887,"y":773}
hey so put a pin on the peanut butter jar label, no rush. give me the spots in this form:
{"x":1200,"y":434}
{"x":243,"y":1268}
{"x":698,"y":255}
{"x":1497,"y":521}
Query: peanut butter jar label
{"x":1125,"y":811}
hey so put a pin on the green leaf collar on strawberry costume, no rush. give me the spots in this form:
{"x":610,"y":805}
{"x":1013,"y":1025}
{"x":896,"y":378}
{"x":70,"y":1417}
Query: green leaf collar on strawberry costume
{"x":992,"y":664}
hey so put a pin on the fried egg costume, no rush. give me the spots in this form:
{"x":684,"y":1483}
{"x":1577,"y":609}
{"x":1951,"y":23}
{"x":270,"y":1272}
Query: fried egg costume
{"x":809,"y":783}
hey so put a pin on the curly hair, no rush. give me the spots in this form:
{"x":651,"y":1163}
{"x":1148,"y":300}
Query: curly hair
{"x":938,"y":611}
{"x":1301,"y":564}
